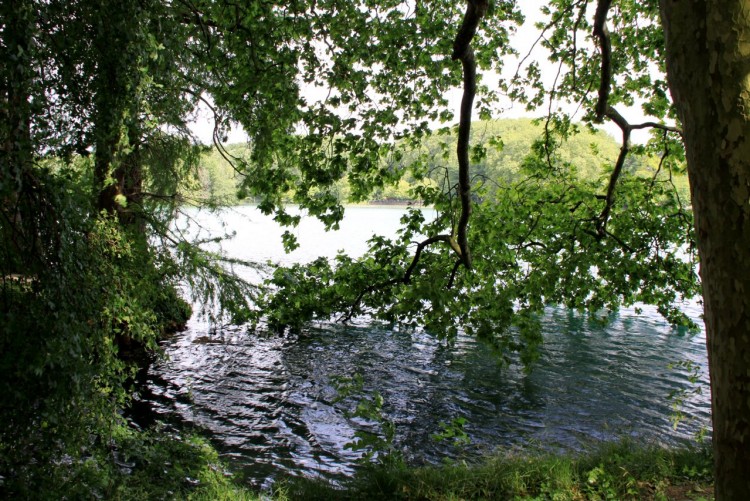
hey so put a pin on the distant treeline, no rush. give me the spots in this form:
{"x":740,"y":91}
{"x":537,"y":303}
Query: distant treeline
{"x":499,"y":150}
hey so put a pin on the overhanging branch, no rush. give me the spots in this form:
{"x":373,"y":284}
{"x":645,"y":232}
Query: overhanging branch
{"x":406,"y":277}
{"x":605,"y":47}
{"x":626,"y":128}
{"x":603,"y":109}
{"x":462,"y":51}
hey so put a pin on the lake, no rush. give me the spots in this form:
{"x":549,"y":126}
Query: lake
{"x":268,"y":402}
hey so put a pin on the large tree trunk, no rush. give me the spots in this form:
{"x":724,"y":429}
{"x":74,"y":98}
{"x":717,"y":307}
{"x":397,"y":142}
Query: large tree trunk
{"x":708,"y":66}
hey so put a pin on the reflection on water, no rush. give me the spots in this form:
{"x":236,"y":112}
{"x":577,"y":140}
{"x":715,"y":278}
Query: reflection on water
{"x":268,"y":401}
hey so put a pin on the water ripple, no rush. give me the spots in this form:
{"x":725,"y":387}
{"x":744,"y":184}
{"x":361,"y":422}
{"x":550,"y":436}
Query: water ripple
{"x":269,"y":402}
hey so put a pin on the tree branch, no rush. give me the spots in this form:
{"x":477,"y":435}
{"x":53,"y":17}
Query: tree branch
{"x":452,"y":278}
{"x":475,"y":10}
{"x":462,"y":51}
{"x":605,"y":46}
{"x":654,"y":125}
{"x":406,"y":277}
{"x":626,"y":128}
{"x":420,"y":247}
{"x":603,"y":109}
{"x":601,"y":223}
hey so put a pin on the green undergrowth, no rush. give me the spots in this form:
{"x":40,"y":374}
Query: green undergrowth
{"x":622,"y":471}
{"x":131,"y":465}
{"x":156,"y":465}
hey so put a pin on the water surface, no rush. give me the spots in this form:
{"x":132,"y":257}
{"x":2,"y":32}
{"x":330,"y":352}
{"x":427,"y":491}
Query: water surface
{"x":268,"y":402}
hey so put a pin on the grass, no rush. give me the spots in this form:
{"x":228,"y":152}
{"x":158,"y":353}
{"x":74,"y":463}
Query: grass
{"x":153,"y":465}
{"x":620,"y":471}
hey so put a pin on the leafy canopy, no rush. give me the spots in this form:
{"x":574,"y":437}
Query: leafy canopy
{"x":553,"y":230}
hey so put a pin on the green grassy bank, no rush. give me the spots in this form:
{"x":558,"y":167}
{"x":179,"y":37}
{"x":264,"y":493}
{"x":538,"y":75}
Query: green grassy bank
{"x":616,"y":471}
{"x":159,"y":465}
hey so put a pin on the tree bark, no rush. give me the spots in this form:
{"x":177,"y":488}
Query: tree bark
{"x":708,"y":67}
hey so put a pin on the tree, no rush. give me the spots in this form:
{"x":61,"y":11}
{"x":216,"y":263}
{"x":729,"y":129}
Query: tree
{"x":550,"y":237}
{"x":707,"y":68}
{"x":95,"y":99}
{"x":85,"y":270}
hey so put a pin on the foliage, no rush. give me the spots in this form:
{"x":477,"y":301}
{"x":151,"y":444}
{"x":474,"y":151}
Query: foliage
{"x":539,"y":244}
{"x":549,"y":225}
{"x":133,"y":465}
{"x":370,"y":409}
{"x":454,"y":430}
{"x":73,"y":332}
{"x":680,"y":397}
{"x":501,"y":146}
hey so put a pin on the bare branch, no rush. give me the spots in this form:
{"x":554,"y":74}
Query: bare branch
{"x":601,"y":224}
{"x":344,"y":318}
{"x":215,"y":137}
{"x":658,"y":126}
{"x":622,"y":244}
{"x":420,"y":247}
{"x":452,"y":278}
{"x":626,"y":128}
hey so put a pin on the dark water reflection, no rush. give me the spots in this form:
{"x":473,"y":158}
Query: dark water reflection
{"x":267,"y":401}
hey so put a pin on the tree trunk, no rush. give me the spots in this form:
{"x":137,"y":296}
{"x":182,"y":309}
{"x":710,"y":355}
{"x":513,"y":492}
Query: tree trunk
{"x":18,"y":230}
{"x":116,"y":101}
{"x":708,"y":66}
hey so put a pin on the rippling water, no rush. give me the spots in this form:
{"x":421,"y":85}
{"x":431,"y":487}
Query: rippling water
{"x":268,"y":402}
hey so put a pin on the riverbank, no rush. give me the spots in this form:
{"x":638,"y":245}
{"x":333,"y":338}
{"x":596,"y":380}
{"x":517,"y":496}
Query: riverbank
{"x":615,"y":471}
{"x":165,"y":465}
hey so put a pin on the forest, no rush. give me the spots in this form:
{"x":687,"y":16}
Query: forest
{"x":345,"y":103}
{"x":217,"y":182}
